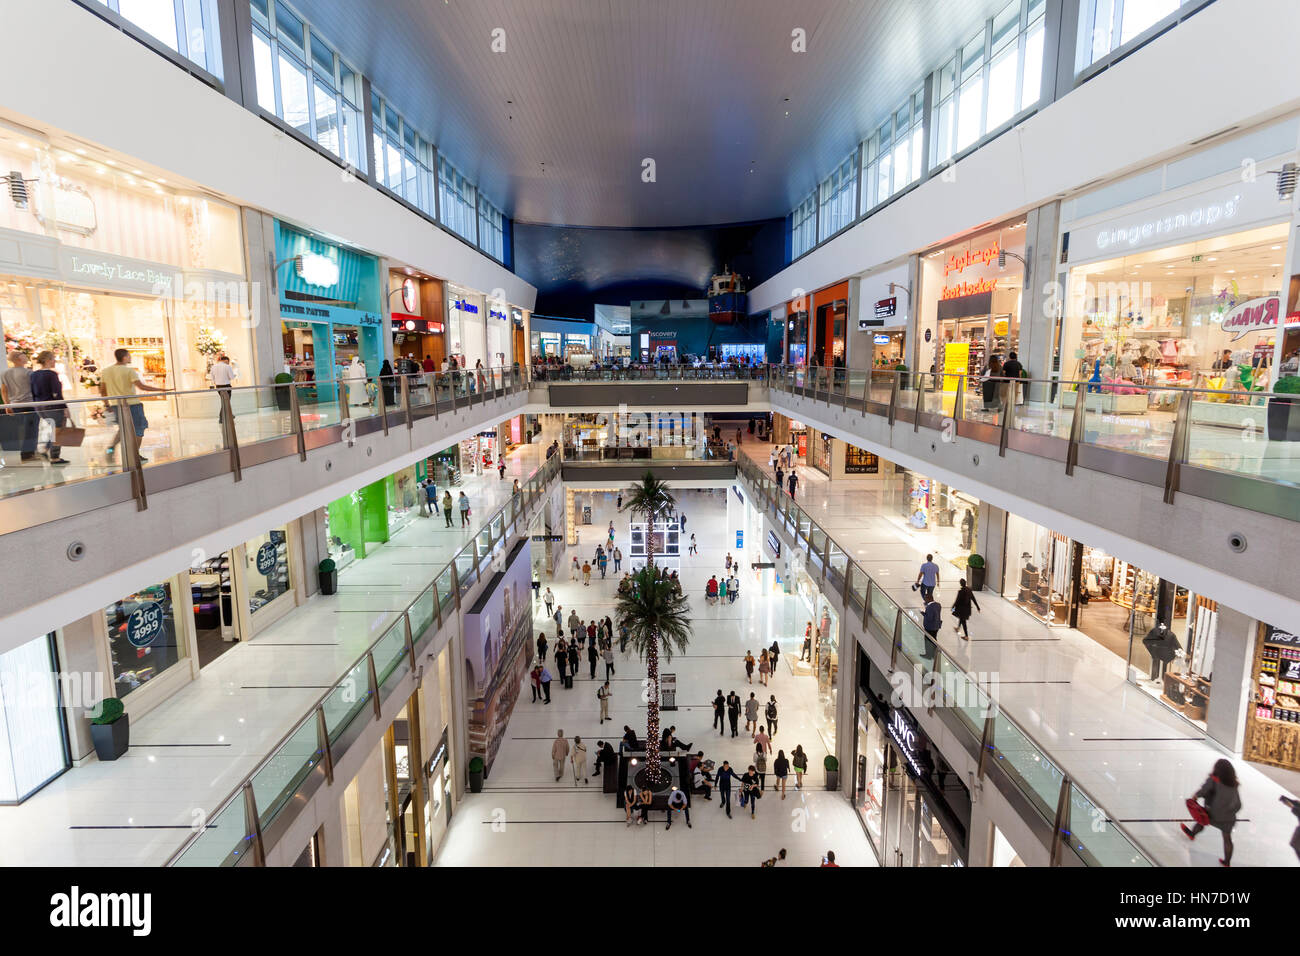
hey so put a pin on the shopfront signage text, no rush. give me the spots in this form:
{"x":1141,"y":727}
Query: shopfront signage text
{"x":496,"y":314}
{"x":464,"y":306}
{"x":145,"y":625}
{"x":1253,"y":316}
{"x":958,"y":261}
{"x":976,"y":287}
{"x":1274,"y":636}
{"x":880,"y":340}
{"x":1176,"y":221}
{"x":115,"y":272}
{"x":903,"y":731}
{"x":740,"y":539}
{"x":266,"y":559}
{"x":326,"y":313}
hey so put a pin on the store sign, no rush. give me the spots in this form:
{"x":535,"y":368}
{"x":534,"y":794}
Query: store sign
{"x":114,"y":272}
{"x":774,"y":544}
{"x":74,"y":210}
{"x":1253,"y":316}
{"x":880,"y":339}
{"x":410,"y":295}
{"x":1274,"y":636}
{"x":887,"y":308}
{"x":464,"y":306}
{"x":496,"y":314}
{"x":903,"y":731}
{"x":958,"y":262}
{"x":145,"y":625}
{"x":266,"y":559}
{"x":1170,"y":221}
{"x":740,"y":539}
{"x":318,"y":270}
{"x":976,"y":287}
{"x":329,"y":313}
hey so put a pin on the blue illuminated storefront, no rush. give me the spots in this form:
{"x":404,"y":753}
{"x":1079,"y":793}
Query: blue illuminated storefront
{"x":331,"y":308}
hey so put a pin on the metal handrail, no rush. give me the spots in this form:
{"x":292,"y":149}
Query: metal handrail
{"x":753,"y":472}
{"x":542,"y":475}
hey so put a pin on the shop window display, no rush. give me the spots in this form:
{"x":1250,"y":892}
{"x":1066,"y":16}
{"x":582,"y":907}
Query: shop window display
{"x":1038,"y":571}
{"x":143,"y":638}
{"x":944,"y":519}
{"x":33,"y":748}
{"x":266,"y":573}
{"x":1273,"y":721}
{"x":1172,"y":317}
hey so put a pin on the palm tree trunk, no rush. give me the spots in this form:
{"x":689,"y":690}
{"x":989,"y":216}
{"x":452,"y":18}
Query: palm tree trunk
{"x":654,"y":770}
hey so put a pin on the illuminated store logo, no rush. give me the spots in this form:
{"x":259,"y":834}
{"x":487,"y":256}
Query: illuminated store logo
{"x":316,"y":269}
{"x":957,"y":262}
{"x":495,"y":314}
{"x":464,"y":306}
{"x":409,"y":298}
{"x":904,"y":735}
{"x":968,"y":288}
{"x":1198,"y":217}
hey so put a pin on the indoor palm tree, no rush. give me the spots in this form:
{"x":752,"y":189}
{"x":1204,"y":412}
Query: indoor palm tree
{"x":658,"y":622}
{"x":651,"y":499}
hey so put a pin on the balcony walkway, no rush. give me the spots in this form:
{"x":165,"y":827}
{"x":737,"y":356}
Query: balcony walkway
{"x":1137,"y":758}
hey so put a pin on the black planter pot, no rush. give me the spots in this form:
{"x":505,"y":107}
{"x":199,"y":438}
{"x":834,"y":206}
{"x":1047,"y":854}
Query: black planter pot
{"x":975,"y":578}
{"x":329,"y":581}
{"x":282,"y":398}
{"x":111,"y":740}
{"x":1284,"y":418}
{"x":476,"y":781}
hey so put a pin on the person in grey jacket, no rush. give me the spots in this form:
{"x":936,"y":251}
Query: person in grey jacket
{"x":1222,"y":802}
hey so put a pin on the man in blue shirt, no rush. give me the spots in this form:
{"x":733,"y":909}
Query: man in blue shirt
{"x":928,"y":577}
{"x":722,"y":780}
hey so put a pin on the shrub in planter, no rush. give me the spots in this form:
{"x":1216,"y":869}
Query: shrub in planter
{"x":476,"y":775}
{"x":282,"y":397}
{"x":328,"y":576}
{"x":832,"y":767}
{"x":975,"y":571}
{"x":901,"y":368}
{"x":110,"y":730}
{"x":1284,"y":410}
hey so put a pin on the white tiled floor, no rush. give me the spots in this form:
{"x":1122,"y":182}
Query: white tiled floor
{"x":549,"y":823}
{"x":1137,"y":758}
{"x":193,"y":749}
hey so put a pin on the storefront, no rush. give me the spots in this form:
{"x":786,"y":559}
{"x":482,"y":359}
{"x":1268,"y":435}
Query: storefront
{"x":1273,"y":720}
{"x":830,"y":325}
{"x":99,"y":258}
{"x":970,"y":303}
{"x":331,"y":303}
{"x":499,"y":337}
{"x":941,"y":519}
{"x":883,"y":309}
{"x":557,"y":338}
{"x":1038,"y":571}
{"x":418,"y":323}
{"x":466,"y":326}
{"x":1188,"y":287}
{"x":149,"y":643}
{"x":34,"y":691}
{"x":444,"y":467}
{"x":360,"y":521}
{"x":788,"y":431}
{"x":820,"y":450}
{"x":807,"y":613}
{"x":915,"y":809}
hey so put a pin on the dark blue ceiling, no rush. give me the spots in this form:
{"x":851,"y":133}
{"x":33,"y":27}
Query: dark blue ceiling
{"x":574,"y":268}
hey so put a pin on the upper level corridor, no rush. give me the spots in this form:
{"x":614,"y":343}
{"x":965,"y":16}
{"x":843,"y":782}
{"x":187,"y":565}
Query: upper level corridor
{"x":194,"y":749}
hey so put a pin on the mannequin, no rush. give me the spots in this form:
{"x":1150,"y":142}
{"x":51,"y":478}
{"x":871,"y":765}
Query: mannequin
{"x":1162,"y":646}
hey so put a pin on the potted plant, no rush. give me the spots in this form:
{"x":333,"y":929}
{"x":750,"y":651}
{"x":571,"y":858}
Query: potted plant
{"x":832,"y":767}
{"x":901,"y":369}
{"x":282,"y":397}
{"x":975,"y":572}
{"x":1284,"y":410}
{"x":328,"y":575}
{"x":110,"y":729}
{"x":476,"y":775}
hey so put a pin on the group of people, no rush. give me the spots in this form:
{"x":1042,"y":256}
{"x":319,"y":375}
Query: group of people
{"x":782,"y":461}
{"x":766,"y":664}
{"x":963,"y":603}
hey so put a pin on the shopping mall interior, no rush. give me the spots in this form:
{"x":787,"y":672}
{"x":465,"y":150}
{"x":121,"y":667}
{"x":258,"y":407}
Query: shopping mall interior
{"x":847,"y":434}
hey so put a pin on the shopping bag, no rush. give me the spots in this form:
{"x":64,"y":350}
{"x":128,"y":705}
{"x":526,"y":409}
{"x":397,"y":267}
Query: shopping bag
{"x":69,"y":437}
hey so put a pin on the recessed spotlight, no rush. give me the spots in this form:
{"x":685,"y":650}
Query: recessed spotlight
{"x":1232,"y":272}
{"x":80,"y":152}
{"x":111,"y":162}
{"x":1212,"y":259}
{"x":163,"y":181}
{"x":1275,"y":247}
{"x":138,"y":172}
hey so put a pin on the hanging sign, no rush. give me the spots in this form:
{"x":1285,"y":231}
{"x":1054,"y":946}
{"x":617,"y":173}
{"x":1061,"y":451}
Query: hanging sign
{"x":1253,"y":316}
{"x":145,"y":624}
{"x":887,"y":308}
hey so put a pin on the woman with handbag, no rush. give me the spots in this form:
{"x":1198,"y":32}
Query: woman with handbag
{"x":1222,"y":804}
{"x":47,"y":387}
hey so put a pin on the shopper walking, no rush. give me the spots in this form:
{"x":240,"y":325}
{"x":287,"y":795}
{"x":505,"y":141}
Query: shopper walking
{"x":446,"y":507}
{"x":541,"y":646}
{"x":464,"y":509}
{"x":120,"y":380}
{"x":549,"y":600}
{"x":780,"y":770}
{"x":763,"y":741}
{"x":750,"y":790}
{"x":733,"y":710}
{"x":603,"y":695}
{"x":546,"y":678}
{"x":1221,"y":805}
{"x":603,"y":562}
{"x":535,"y":682}
{"x":501,"y":467}
{"x":780,"y":479}
{"x":47,"y":388}
{"x":764,"y":667}
{"x":575,"y":569}
{"x":961,"y":608}
{"x":720,"y":712}
{"x":793,"y":482}
{"x":608,"y":655}
{"x":692,"y":549}
{"x":722,"y":780}
{"x":593,"y":657}
{"x":562,"y":661}
{"x":932,"y":621}
{"x":927,"y":578}
{"x":618,"y":560}
{"x":733,"y":587}
{"x":579,"y":760}
{"x":769,"y":715}
{"x":681,"y":522}
{"x":749,"y":667}
{"x":775,"y":652}
{"x":573,"y":663}
{"x":751,"y":713}
{"x":760,"y":765}
{"x":559,"y":753}
{"x":586,"y":573}
{"x":799,"y":760}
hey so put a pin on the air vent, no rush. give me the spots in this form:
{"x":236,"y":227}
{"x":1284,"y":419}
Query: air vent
{"x":1206,"y":139}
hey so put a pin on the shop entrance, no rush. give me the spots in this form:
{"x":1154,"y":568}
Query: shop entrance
{"x":887,"y":349}
{"x":216,"y":626}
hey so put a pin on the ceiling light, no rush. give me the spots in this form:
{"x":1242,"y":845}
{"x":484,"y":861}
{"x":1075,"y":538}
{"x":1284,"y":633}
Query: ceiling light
{"x":138,"y":172}
{"x":1212,"y":259}
{"x":1232,"y":272}
{"x":1275,"y":247}
{"x":23,"y":145}
{"x":111,"y":162}
{"x":81,"y":152}
{"x":162,"y":181}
